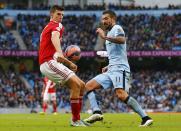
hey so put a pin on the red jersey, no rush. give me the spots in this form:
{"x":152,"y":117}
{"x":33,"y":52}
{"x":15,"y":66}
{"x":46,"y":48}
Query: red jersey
{"x":50,"y":85}
{"x":47,"y":49}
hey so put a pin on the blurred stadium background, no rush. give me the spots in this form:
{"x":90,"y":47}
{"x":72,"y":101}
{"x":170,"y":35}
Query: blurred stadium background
{"x":153,"y":29}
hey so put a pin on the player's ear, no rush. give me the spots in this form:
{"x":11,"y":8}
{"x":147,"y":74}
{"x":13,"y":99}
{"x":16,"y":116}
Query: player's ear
{"x":112,"y":20}
{"x":51,"y":14}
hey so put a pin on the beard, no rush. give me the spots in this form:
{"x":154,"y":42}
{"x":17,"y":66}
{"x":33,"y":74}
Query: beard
{"x":108,"y":27}
{"x":105,"y":26}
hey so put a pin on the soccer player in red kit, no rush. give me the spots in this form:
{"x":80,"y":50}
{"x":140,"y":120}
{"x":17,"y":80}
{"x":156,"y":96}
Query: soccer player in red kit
{"x":56,"y":67}
{"x":49,"y":95}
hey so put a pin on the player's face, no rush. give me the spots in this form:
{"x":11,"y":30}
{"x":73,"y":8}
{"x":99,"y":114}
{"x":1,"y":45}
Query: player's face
{"x":57,"y":16}
{"x":107,"y":21}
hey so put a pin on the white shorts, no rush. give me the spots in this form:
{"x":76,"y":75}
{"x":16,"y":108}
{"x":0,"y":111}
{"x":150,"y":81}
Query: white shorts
{"x":56,"y":71}
{"x":49,"y":96}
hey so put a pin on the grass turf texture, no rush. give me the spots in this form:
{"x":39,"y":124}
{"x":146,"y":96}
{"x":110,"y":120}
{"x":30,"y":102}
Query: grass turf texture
{"x":112,"y":122}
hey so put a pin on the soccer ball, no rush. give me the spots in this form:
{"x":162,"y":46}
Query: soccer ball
{"x":73,"y":53}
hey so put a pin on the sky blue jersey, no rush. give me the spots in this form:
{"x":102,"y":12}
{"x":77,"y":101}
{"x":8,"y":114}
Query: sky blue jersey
{"x":117,"y":53}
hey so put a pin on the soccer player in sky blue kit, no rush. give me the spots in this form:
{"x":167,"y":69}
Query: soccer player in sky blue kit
{"x":117,"y":73}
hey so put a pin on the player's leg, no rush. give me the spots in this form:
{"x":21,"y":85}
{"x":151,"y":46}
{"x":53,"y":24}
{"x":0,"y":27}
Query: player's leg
{"x":122,"y":84}
{"x":44,"y":106}
{"x":130,"y":101}
{"x":75,"y":85}
{"x":45,"y":103}
{"x":59,"y":73}
{"x":90,"y":87}
{"x":99,"y":81}
{"x":54,"y":103}
{"x":93,"y":102}
{"x":82,"y":90}
{"x":97,"y":114}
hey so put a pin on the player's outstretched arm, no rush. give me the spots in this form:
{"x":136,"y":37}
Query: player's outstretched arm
{"x":68,"y":63}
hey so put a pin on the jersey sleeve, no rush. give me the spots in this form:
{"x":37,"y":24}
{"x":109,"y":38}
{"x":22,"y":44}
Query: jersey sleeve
{"x":58,"y":27}
{"x":119,"y":31}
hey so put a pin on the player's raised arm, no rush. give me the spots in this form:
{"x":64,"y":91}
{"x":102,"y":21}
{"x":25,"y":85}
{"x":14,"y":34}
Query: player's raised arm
{"x":53,"y":85}
{"x":68,"y":63}
{"x":120,"y":39}
{"x":117,"y":40}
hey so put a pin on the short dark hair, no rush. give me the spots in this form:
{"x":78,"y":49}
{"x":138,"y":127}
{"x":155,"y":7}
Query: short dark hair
{"x":56,"y":7}
{"x":111,"y":13}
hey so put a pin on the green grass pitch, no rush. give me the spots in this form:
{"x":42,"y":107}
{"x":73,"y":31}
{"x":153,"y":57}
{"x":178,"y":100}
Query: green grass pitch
{"x":112,"y":122}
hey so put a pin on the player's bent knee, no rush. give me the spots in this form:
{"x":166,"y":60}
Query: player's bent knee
{"x":88,"y":86}
{"x":73,"y":81}
{"x":77,"y":86}
{"x":121,"y":94}
{"x":92,"y":85}
{"x":82,"y":84}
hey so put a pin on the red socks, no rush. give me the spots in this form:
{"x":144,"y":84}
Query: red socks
{"x":75,"y":107}
{"x":54,"y":107}
{"x":44,"y":107}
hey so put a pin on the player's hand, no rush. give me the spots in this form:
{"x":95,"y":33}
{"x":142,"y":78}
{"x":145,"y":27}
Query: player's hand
{"x":73,"y":67}
{"x":56,"y":56}
{"x":104,"y":69}
{"x":100,"y":33}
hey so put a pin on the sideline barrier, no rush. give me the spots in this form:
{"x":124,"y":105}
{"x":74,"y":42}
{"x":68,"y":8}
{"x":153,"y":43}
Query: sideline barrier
{"x":23,"y":53}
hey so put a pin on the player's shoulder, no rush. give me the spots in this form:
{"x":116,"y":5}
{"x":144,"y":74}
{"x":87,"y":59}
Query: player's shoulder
{"x":117,"y":27}
{"x":57,"y":25}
